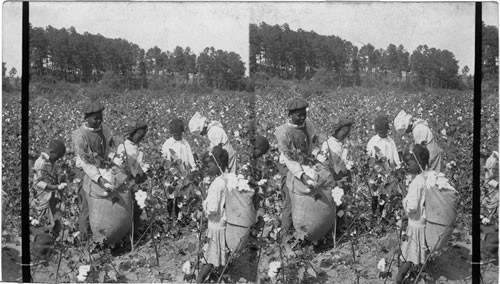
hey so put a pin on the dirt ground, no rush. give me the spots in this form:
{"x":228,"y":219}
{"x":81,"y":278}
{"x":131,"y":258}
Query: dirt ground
{"x":333,"y":265}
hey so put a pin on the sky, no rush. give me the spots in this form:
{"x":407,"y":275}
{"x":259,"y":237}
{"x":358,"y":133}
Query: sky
{"x":148,"y":24}
{"x":225,"y":25}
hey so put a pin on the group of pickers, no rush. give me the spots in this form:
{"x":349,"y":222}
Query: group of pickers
{"x":229,"y":201}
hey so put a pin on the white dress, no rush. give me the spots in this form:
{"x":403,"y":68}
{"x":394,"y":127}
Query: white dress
{"x":414,"y":249}
{"x":216,"y":251}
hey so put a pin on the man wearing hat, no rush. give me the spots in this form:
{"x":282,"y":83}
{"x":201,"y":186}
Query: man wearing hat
{"x":334,"y":146}
{"x":295,"y":143}
{"x":92,"y":138}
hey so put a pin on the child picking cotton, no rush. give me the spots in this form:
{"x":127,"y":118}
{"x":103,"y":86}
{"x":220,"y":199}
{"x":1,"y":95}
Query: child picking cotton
{"x":383,"y":150}
{"x":215,"y":251}
{"x":129,"y":160}
{"x":336,"y":158}
{"x":489,"y":198}
{"x":46,"y":183}
{"x":430,"y":205}
{"x":180,"y":161}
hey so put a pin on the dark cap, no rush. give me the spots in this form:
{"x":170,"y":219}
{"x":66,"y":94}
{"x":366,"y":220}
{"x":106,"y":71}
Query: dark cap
{"x":338,"y":123}
{"x":296,"y":103}
{"x":93,"y":107}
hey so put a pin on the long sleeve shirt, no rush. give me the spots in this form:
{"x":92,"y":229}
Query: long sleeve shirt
{"x":134,"y":156}
{"x":414,"y":201}
{"x":44,"y":174}
{"x":292,"y":138}
{"x":335,"y":153}
{"x":214,"y":204}
{"x":181,"y":150}
{"x":87,"y":141}
{"x":387,"y":148}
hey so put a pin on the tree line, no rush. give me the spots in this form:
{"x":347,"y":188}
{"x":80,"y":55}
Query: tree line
{"x":68,"y":55}
{"x":281,"y":52}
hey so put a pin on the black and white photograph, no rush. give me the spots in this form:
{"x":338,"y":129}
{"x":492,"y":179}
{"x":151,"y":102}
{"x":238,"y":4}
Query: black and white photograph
{"x":249,"y":142}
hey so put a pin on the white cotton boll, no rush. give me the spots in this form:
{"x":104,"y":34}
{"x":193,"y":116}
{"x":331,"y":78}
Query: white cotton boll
{"x":145,"y":167}
{"x":118,"y":161}
{"x":340,"y":213}
{"x":381,"y":266}
{"x":321,"y":158}
{"x":83,"y":272}
{"x":274,"y":269}
{"x":140,"y":197}
{"x":34,"y":222}
{"x":236,"y":134}
{"x":267,"y":218}
{"x":243,"y":185}
{"x":337,"y":194}
{"x":262,"y":182}
{"x":186,"y":267}
{"x":349,"y":165}
{"x":443,"y":132}
{"x":485,"y":221}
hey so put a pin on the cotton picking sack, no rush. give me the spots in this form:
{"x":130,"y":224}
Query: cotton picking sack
{"x":313,"y":213}
{"x":240,"y":211}
{"x":110,"y":216}
{"x":441,"y":201}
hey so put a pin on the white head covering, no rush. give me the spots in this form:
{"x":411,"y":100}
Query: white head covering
{"x":422,"y":132}
{"x":216,"y":134}
{"x":197,"y":122}
{"x":402,"y":120}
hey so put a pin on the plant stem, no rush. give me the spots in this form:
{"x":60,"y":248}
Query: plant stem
{"x":60,"y":256}
{"x":352,"y":250}
{"x":132,"y":230}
